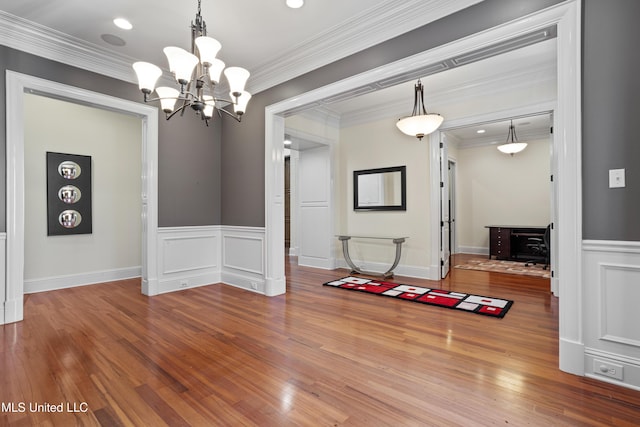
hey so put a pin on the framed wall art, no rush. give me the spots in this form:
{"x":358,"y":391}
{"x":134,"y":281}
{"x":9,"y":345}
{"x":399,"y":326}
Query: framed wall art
{"x":68,"y":194}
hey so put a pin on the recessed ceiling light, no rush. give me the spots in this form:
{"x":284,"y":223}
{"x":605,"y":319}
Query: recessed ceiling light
{"x":287,"y":142}
{"x":122,"y":23}
{"x":480,"y":131}
{"x":295,"y":4}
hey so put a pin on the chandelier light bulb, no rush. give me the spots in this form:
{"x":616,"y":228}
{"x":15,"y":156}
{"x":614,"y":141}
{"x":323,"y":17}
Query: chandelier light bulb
{"x":208,"y":48}
{"x":237,"y":78}
{"x":181,"y":63}
{"x":148,"y":75}
{"x":215,"y":70}
{"x":241,"y":104}
{"x":168,"y":97}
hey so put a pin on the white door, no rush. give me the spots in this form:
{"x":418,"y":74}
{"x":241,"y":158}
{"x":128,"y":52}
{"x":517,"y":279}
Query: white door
{"x":314,"y":198}
{"x":445,"y":250}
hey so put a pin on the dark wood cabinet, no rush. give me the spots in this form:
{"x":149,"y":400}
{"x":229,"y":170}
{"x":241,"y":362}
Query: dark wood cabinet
{"x":510,"y":242}
{"x":500,"y":242}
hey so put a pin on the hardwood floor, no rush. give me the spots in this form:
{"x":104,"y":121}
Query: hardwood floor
{"x":317,"y":356}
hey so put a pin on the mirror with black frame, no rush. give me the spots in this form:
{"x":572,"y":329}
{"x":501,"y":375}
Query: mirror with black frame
{"x":382,"y":189}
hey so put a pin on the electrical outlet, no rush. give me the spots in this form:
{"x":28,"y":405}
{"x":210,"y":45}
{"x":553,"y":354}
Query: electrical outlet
{"x":608,"y":369}
{"x":254,"y":285}
{"x":184,"y":283}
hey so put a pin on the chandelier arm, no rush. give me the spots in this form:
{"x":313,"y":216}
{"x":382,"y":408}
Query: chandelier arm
{"x":179,"y":110}
{"x":160,"y":99}
{"x":238,"y":118}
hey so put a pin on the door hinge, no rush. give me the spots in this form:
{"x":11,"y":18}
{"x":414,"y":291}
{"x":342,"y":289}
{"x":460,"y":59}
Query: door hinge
{"x":551,"y":178}
{"x":441,"y":263}
{"x":552,"y":273}
{"x":551,"y":129}
{"x":441,"y":184}
{"x":442,"y":145}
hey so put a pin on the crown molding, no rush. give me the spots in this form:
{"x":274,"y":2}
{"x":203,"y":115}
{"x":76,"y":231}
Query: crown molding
{"x":373,"y":26}
{"x":30,"y":37}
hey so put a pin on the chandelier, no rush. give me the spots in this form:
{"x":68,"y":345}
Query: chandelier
{"x":419,"y":123}
{"x":197,"y":74}
{"x":512,"y":147}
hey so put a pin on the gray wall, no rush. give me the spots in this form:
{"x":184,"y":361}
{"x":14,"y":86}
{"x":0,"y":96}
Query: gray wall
{"x":189,"y":184}
{"x":243,"y":146}
{"x":610,"y":114}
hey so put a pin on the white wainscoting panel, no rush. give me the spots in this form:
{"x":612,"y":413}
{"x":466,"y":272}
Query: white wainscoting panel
{"x":611,"y":273}
{"x":243,"y":254}
{"x":188,"y":257}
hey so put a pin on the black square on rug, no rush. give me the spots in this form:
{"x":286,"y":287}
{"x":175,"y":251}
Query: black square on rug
{"x":489,"y":306}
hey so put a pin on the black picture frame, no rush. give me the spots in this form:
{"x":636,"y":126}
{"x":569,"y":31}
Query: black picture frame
{"x":69,"y":196}
{"x":399,"y":175}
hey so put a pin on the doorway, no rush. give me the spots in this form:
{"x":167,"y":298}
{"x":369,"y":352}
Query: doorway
{"x":17,"y":85}
{"x":566,"y":17}
{"x":497,"y":188}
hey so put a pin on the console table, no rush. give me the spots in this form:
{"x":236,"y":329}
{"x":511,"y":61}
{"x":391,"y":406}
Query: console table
{"x":355,"y":269}
{"x":510,"y":241}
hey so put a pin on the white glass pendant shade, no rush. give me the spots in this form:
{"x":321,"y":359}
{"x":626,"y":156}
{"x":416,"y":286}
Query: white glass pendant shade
{"x":148,"y":74}
{"x":209,"y":105}
{"x":215,"y":70}
{"x":421,"y":125}
{"x":168,"y":97}
{"x":181,"y":63}
{"x":512,"y":147}
{"x":237,"y":78}
{"x":208,"y":48}
{"x":241,"y":104}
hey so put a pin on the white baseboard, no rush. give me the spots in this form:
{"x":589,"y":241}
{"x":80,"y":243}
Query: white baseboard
{"x":475,"y":250}
{"x":324,"y":263}
{"x":80,"y":279}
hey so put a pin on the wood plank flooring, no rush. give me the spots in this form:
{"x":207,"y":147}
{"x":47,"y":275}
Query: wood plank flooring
{"x":317,"y":356}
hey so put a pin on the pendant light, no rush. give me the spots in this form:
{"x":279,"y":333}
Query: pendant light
{"x":419,"y":123}
{"x":512,"y":146}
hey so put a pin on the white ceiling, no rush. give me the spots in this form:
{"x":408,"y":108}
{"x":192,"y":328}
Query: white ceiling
{"x":271,"y":40}
{"x":274,"y":42}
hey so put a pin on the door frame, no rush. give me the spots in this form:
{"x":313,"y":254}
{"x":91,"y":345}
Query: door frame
{"x":17,"y":85}
{"x":567,"y":132}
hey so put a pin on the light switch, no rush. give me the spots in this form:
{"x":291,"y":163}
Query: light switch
{"x":616,"y":178}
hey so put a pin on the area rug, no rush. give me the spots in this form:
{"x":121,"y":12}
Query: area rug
{"x":479,"y":304}
{"x":500,"y":266}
